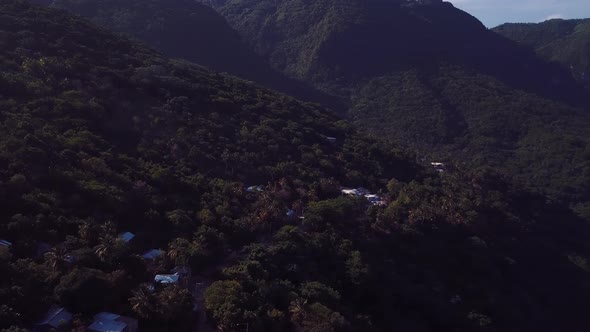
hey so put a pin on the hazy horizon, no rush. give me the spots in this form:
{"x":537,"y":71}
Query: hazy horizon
{"x":495,"y":12}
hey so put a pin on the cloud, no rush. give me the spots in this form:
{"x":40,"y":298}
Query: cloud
{"x":554,"y":16}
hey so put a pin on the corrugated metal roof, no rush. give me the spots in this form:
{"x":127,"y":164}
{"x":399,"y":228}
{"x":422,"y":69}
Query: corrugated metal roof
{"x":127,"y":236}
{"x":107,"y":325}
{"x":166,"y":278}
{"x":106,"y":315}
{"x":152,"y":254}
{"x":55,"y":317}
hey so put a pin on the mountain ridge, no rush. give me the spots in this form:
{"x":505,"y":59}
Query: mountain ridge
{"x":464,"y":79}
{"x":562,"y":41}
{"x":189,"y":30}
{"x":101,"y":135}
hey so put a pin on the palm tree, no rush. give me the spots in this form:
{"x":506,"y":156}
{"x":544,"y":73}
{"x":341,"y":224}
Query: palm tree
{"x":57,"y":258}
{"x":108,"y":229}
{"x":178,"y":251}
{"x":298,"y":309}
{"x":87,"y":232}
{"x":142,"y":301}
{"x":104,"y":251}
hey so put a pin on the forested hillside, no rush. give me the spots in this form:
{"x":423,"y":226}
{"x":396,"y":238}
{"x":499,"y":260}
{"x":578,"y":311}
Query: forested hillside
{"x":188,"y":30}
{"x":563,"y":41}
{"x":433,"y":77}
{"x":100,"y":136}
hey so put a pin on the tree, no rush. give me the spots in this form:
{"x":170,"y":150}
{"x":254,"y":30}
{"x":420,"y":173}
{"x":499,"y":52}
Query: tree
{"x":58,"y":258}
{"x":174,"y":304}
{"x":315,"y":317}
{"x":106,"y":248}
{"x":84,"y":290}
{"x":143,"y":301}
{"x":179,"y":251}
{"x":223,"y":301}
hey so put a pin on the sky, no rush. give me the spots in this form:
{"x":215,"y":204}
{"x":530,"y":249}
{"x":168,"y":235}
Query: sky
{"x":496,"y":12}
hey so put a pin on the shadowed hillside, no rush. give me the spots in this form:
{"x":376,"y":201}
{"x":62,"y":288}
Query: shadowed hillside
{"x":188,"y":30}
{"x":433,"y":77}
{"x":100,"y":136}
{"x":563,"y":41}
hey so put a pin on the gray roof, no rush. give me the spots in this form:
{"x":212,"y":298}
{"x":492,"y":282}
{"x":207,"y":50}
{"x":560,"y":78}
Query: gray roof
{"x":152,"y":254}
{"x":127,"y":236}
{"x":4,"y":243}
{"x":107,"y":325}
{"x":55,"y":317}
{"x":166,"y":278}
{"x":109,"y":322}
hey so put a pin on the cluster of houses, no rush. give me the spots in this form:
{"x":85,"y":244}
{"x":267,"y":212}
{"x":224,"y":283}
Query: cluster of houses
{"x":59,"y":319}
{"x":362,"y":192}
{"x":438,"y":166}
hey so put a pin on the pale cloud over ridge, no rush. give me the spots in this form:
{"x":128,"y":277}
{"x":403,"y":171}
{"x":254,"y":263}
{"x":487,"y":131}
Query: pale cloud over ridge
{"x":495,"y":12}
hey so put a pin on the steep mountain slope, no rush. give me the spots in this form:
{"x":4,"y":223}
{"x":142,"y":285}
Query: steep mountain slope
{"x":563,"y":41}
{"x":189,"y":30}
{"x":99,"y":135}
{"x":433,"y":77}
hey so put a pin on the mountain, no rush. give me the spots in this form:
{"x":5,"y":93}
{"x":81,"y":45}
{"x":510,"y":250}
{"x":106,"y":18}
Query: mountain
{"x":188,"y":30}
{"x":563,"y":41}
{"x":101,"y":135}
{"x":432,"y":77}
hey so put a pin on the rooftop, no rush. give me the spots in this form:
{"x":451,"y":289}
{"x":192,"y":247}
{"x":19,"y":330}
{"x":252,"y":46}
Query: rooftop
{"x":152,"y":254}
{"x":255,"y":188}
{"x":55,"y":317}
{"x":127,"y":236}
{"x":109,"y":322}
{"x":107,"y":325}
{"x":167,"y":278}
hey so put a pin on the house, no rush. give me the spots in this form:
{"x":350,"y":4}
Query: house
{"x":439,"y":167}
{"x":109,"y":322}
{"x":362,"y":191}
{"x":350,"y":192}
{"x":167,"y":279}
{"x":372,"y":198}
{"x":290,"y":213}
{"x":56,"y":319}
{"x":375,"y":200}
{"x":331,"y":139}
{"x":152,"y":254}
{"x":252,"y":189}
{"x":126,"y":237}
{"x":180,"y":275}
{"x":5,"y":248}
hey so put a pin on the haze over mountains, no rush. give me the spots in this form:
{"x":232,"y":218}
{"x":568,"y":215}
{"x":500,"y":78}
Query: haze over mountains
{"x":101,"y":134}
{"x":563,"y":41}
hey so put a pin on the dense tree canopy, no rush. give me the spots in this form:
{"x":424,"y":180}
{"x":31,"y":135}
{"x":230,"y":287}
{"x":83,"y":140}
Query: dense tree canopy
{"x":563,"y":41}
{"x":100,"y":135}
{"x":189,"y":30}
{"x":430,"y":76}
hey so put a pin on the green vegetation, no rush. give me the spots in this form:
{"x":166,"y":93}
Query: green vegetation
{"x":99,"y":135}
{"x":563,"y":41}
{"x":434,"y":78}
{"x":188,"y":30}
